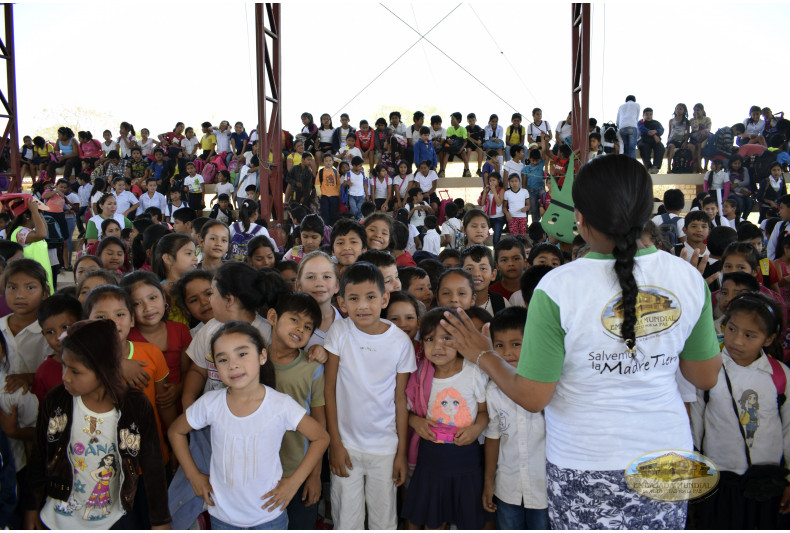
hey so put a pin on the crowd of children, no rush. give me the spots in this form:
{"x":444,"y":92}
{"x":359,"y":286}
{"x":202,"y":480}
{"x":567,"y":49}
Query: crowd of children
{"x":199,"y":368}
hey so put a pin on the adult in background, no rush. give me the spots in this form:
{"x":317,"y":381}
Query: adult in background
{"x":66,"y":154}
{"x":627,"y":119}
{"x":650,"y":132}
{"x":599,"y":418}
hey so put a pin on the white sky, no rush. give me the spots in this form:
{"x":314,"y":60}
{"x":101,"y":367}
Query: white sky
{"x":156,"y":63}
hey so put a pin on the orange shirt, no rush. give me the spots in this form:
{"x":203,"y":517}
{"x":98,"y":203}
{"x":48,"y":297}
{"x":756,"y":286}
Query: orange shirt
{"x":331,"y":181}
{"x":157,"y":368}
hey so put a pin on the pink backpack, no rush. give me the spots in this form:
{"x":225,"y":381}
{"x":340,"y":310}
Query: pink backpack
{"x":199,"y":165}
{"x":209,"y":173}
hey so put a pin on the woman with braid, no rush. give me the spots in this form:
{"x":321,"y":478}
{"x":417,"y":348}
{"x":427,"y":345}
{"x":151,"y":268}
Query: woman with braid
{"x":604,"y":338}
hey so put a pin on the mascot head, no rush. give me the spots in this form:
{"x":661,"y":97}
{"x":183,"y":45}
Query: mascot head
{"x":559,"y":221}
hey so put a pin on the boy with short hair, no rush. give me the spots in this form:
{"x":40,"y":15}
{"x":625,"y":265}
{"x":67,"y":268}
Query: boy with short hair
{"x":515,"y":164}
{"x":514,"y":134}
{"x":534,"y":181}
{"x":781,"y":228}
{"x":176,"y":202}
{"x":416,"y":282}
{"x":300,"y":181}
{"x":356,"y":181}
{"x":152,"y":197}
{"x":348,"y":240}
{"x":450,"y":258}
{"x":475,"y":142}
{"x":437,"y":134}
{"x":455,"y":131}
{"x":515,"y":441}
{"x":478,"y":261}
{"x":182,"y":220}
{"x":545,"y":254}
{"x":452,"y":229}
{"x":423,"y":148}
{"x":674,"y":201}
{"x":368,"y":430}
{"x":328,"y":183}
{"x":509,"y":258}
{"x":294,"y":319}
{"x":696,"y":228}
{"x":55,"y":315}
{"x":431,"y":242}
{"x":126,"y":201}
{"x":196,"y":186}
{"x":595,"y":146}
{"x":529,"y":281}
{"x":386,"y":263}
{"x":311,"y":234}
{"x":733,"y":284}
{"x":159,"y":169}
{"x":143,"y":364}
{"x":222,"y":210}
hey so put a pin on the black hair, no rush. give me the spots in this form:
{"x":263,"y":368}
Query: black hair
{"x":86,"y":257}
{"x":9,"y":249}
{"x":742,"y":278}
{"x":507,"y":319}
{"x":105,"y":291}
{"x":545,"y":248}
{"x":367,"y":209}
{"x":106,"y":223}
{"x":709,"y":200}
{"x":144,"y":243}
{"x":400,"y":235}
{"x":595,"y":135}
{"x":719,"y":238}
{"x":107,"y":241}
{"x":477,"y":252}
{"x":436,"y":119}
{"x":479,"y":313}
{"x":168,"y":244}
{"x":179,"y":291}
{"x":402,"y":296}
{"x":267,"y":374}
{"x":516,"y":148}
{"x":769,"y":312}
{"x":434,"y":268}
{"x":431,"y":320}
{"x":564,"y":150}
{"x":299,"y":303}
{"x":259,"y":241}
{"x":738,"y":127}
{"x":417,"y":115}
{"x":361,"y":272}
{"x":254,"y":289}
{"x":745,"y":249}
{"x":424,"y":130}
{"x":287,"y":264}
{"x":356,"y":161}
{"x":430,"y":222}
{"x":674,"y":200}
{"x":184,"y":215}
{"x":247,"y":208}
{"x":407,"y":274}
{"x":154,"y":211}
{"x":98,"y":346}
{"x":145,"y":277}
{"x":57,"y":304}
{"x":378,"y":258}
{"x":29,"y":267}
{"x":748,"y":231}
{"x":447,"y":253}
{"x":530,"y":279}
{"x":615,"y":196}
{"x":460,"y":272}
{"x":508,"y":243}
{"x":210,"y":223}
{"x":344,"y":226}
{"x":472,"y":214}
{"x":696,"y":216}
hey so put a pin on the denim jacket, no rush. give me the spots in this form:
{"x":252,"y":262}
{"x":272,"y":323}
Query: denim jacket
{"x":50,"y":471}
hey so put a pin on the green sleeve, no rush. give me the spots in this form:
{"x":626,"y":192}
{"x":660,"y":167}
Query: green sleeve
{"x":91,"y":232}
{"x":543,"y":349}
{"x":126,"y":222}
{"x":702,"y":344}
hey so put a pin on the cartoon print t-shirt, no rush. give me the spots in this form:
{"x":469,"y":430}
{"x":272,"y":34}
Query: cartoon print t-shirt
{"x":454,"y":400}
{"x":94,"y":502}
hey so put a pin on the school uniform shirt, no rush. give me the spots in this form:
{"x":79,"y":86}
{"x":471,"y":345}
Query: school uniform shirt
{"x":538,"y":130}
{"x":432,"y":242}
{"x":413,"y":133}
{"x":411,"y":247}
{"x":381,"y":189}
{"x":27,"y":405}
{"x":753,"y":128}
{"x":715,"y":424}
{"x":172,"y":208}
{"x":222,"y":138}
{"x":107,"y":148}
{"x":303,"y":381}
{"x":564,"y":129}
{"x":245,"y":462}
{"x":158,"y":200}
{"x":96,"y":479}
{"x":511,"y":167}
{"x":491,"y":134}
{"x":690,"y":252}
{"x":125,"y":148}
{"x":402,"y":184}
{"x":681,"y":223}
{"x":517,"y":299}
{"x":452,"y":227}
{"x":719,"y":179}
{"x":199,"y":350}
{"x":225,"y":188}
{"x":25,"y":351}
{"x":425,"y":182}
{"x":516,"y":201}
{"x":521,"y":464}
{"x":591,"y":422}
{"x":368,"y":370}
{"x":190,"y":145}
{"x":84,"y":194}
{"x":125,"y":200}
{"x":93,"y":229}
{"x":418,"y":217}
{"x":357,"y":187}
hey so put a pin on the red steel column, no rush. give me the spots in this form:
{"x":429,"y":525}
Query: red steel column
{"x":267,"y":47}
{"x":580,"y":80}
{"x":10,"y":136}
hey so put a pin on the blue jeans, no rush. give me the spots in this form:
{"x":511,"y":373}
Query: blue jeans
{"x":301,"y":516}
{"x":497,"y":224}
{"x":745,"y":204}
{"x":534,"y":203}
{"x":279,"y":523}
{"x":493,"y":145}
{"x":329,"y":208}
{"x":355,"y":205}
{"x":510,"y":516}
{"x":630,"y":137}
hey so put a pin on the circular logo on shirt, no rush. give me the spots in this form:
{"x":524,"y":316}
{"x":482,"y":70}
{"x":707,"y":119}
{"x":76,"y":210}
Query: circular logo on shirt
{"x":672,"y":475}
{"x":657,"y":310}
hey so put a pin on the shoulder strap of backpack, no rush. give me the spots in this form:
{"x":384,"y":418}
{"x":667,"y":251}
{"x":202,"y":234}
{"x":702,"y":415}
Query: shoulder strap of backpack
{"x":780,"y":380}
{"x":665,"y":219}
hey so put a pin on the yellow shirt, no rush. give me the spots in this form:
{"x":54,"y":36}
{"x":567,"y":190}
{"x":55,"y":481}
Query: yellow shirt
{"x":44,"y":152}
{"x":207,"y":141}
{"x":515,"y":137}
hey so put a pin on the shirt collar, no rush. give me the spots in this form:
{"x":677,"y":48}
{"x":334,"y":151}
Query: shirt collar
{"x":643,"y":251}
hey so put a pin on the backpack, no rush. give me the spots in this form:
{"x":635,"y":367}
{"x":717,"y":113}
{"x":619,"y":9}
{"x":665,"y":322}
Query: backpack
{"x":682,"y":162}
{"x":54,"y":237}
{"x":720,"y":143}
{"x":209,"y":173}
{"x":456,"y":238}
{"x":234,"y":166}
{"x":761,"y":167}
{"x":669,"y":228}
{"x":442,"y":205}
{"x":520,"y":133}
{"x":238,"y":244}
{"x":199,"y":165}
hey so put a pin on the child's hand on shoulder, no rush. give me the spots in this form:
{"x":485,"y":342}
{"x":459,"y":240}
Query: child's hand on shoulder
{"x":281,"y":495}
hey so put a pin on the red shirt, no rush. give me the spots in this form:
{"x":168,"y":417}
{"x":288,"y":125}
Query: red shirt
{"x":178,"y":338}
{"x":405,"y":260}
{"x":500,"y":289}
{"x":364,"y":140}
{"x":48,"y":376}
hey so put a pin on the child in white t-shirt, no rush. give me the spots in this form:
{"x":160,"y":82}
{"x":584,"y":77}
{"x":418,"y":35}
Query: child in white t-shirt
{"x":418,"y":207}
{"x":248,"y":420}
{"x":196,"y":186}
{"x":516,"y":205}
{"x":369,"y":362}
{"x":432,"y":241}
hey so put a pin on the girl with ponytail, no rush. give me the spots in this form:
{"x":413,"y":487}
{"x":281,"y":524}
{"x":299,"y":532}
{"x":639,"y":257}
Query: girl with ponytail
{"x":604,"y":340}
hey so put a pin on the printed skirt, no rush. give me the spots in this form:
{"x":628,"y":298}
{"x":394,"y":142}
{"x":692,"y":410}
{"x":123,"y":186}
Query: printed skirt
{"x":601,"y":499}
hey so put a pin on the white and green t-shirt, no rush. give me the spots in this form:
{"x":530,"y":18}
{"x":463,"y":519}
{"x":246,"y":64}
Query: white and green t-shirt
{"x":609,"y":407}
